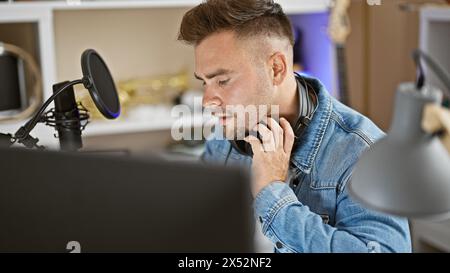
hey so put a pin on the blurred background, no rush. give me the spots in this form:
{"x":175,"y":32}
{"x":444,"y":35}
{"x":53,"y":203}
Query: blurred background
{"x":153,"y":71}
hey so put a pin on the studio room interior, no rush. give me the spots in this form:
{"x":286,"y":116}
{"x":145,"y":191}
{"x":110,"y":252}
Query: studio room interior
{"x":225,"y":126}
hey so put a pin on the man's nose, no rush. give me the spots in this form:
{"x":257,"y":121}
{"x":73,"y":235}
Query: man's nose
{"x":211,"y":98}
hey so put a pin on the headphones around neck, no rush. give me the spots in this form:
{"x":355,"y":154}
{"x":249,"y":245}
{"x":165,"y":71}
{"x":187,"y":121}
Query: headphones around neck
{"x":244,"y":148}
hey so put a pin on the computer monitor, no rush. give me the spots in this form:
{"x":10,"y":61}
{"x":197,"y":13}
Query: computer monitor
{"x":61,"y":202}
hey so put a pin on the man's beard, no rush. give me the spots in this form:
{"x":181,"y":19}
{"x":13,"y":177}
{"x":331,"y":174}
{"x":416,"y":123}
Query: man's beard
{"x":236,"y":127}
{"x":242,"y":119}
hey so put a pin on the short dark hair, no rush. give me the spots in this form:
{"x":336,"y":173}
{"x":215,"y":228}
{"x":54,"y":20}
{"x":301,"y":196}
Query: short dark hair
{"x":245,"y":17}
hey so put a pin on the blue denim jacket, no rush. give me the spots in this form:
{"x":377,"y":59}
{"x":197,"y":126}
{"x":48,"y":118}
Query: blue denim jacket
{"x":318,"y":215}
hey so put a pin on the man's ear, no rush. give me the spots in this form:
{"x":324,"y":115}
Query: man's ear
{"x":278,"y":67}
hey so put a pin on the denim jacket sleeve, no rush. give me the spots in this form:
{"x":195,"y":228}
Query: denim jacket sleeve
{"x":292,"y":227}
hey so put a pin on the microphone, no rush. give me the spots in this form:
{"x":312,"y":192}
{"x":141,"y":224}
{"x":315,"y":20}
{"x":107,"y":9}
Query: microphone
{"x":67,"y":119}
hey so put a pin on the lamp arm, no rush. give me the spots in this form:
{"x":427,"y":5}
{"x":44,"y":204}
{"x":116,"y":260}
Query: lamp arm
{"x":437,"y":119}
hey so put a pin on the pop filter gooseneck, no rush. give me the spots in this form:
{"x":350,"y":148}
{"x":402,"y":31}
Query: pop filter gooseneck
{"x":97,"y":79}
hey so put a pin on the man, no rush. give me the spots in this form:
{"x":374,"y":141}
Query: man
{"x":244,"y":56}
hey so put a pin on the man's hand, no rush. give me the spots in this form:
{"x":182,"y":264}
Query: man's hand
{"x":271,"y":157}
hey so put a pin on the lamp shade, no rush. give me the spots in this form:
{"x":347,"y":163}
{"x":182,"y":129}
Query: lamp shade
{"x":406,"y":173}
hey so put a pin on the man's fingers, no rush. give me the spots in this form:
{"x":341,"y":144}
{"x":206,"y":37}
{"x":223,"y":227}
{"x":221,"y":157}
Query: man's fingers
{"x":277,"y":132}
{"x":288,"y":135}
{"x":267,"y":137}
{"x":255,"y":143}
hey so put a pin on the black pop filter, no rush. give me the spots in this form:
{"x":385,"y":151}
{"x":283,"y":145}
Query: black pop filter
{"x":98,"y":80}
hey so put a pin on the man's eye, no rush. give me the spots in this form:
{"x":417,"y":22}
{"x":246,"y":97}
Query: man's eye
{"x":203,"y":83}
{"x":221,"y":83}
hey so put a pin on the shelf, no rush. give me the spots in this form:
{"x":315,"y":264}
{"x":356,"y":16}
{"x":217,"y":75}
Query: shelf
{"x":304,"y":6}
{"x":86,"y":5}
{"x":126,"y":126}
{"x":435,"y":13}
{"x":144,"y":120}
{"x":435,"y":38}
{"x":43,"y":19}
{"x":290,"y":6}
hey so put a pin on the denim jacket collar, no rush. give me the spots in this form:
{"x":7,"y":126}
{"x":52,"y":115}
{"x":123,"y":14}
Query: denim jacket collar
{"x":306,"y":148}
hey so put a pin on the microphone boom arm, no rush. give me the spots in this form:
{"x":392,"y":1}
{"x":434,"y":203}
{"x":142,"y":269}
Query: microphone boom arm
{"x":23,"y":134}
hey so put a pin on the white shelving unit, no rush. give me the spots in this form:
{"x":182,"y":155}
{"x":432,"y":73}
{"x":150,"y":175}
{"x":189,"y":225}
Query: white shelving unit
{"x":158,"y":119}
{"x":289,"y":6}
{"x":43,"y":13}
{"x":435,"y":37}
{"x":435,"y":40}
